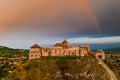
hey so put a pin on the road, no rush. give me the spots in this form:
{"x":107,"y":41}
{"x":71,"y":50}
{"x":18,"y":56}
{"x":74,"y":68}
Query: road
{"x":112,"y":75}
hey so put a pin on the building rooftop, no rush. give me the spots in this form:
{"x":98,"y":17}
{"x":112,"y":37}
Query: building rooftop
{"x":64,"y":44}
{"x":65,"y":41}
{"x":35,"y":46}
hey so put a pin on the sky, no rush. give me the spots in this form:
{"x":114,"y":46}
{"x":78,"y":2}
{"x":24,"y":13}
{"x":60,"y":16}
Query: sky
{"x":45,"y":22}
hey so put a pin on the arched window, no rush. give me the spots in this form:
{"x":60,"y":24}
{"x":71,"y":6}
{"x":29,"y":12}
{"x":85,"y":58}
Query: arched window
{"x":73,"y":53}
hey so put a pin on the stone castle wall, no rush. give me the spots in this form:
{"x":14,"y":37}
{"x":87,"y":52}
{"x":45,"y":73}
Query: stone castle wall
{"x":57,"y":51}
{"x":63,"y":49}
{"x":60,"y":49}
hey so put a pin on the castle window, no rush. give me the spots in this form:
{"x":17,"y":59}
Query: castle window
{"x":31,"y":55}
{"x":35,"y":55}
{"x":72,"y":53}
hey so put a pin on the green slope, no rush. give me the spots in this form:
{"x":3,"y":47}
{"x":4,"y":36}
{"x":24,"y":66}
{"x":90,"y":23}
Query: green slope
{"x":61,"y":68}
{"x":10,"y":52}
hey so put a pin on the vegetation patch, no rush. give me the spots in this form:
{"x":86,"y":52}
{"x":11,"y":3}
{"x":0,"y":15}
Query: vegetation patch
{"x":113,"y":61}
{"x":61,"y":68}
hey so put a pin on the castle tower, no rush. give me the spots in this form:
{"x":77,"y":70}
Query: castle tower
{"x":35,"y":51}
{"x":100,"y":54}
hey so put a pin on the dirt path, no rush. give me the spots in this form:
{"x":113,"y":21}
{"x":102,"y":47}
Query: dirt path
{"x":112,"y":75}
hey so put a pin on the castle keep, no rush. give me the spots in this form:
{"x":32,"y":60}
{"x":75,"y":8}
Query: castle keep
{"x":59,"y":49}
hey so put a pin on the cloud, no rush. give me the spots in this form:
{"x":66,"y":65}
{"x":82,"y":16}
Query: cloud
{"x":53,"y":17}
{"x":108,"y":14}
{"x":41,"y":20}
{"x":89,"y":40}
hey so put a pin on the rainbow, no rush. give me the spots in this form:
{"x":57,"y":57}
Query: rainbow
{"x":93,"y":15}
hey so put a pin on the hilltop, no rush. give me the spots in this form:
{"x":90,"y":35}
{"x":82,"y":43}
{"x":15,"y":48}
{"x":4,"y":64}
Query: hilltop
{"x":10,"y":52}
{"x":61,"y":68}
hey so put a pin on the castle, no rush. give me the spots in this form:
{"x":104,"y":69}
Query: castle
{"x":60,"y":49}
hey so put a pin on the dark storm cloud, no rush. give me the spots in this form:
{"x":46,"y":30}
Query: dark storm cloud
{"x":110,"y":25}
{"x":108,"y":15}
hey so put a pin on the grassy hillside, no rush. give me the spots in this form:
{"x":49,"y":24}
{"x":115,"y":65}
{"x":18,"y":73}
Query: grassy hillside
{"x":60,"y":68}
{"x":10,"y":52}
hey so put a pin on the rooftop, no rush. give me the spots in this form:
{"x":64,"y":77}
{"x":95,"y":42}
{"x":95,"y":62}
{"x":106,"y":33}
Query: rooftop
{"x":35,"y":46}
{"x":65,"y":41}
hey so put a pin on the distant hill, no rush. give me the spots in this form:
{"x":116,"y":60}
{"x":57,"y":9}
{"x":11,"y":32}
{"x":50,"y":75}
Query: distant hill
{"x":3,"y":47}
{"x":10,"y":52}
{"x":61,"y":68}
{"x":112,"y":50}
